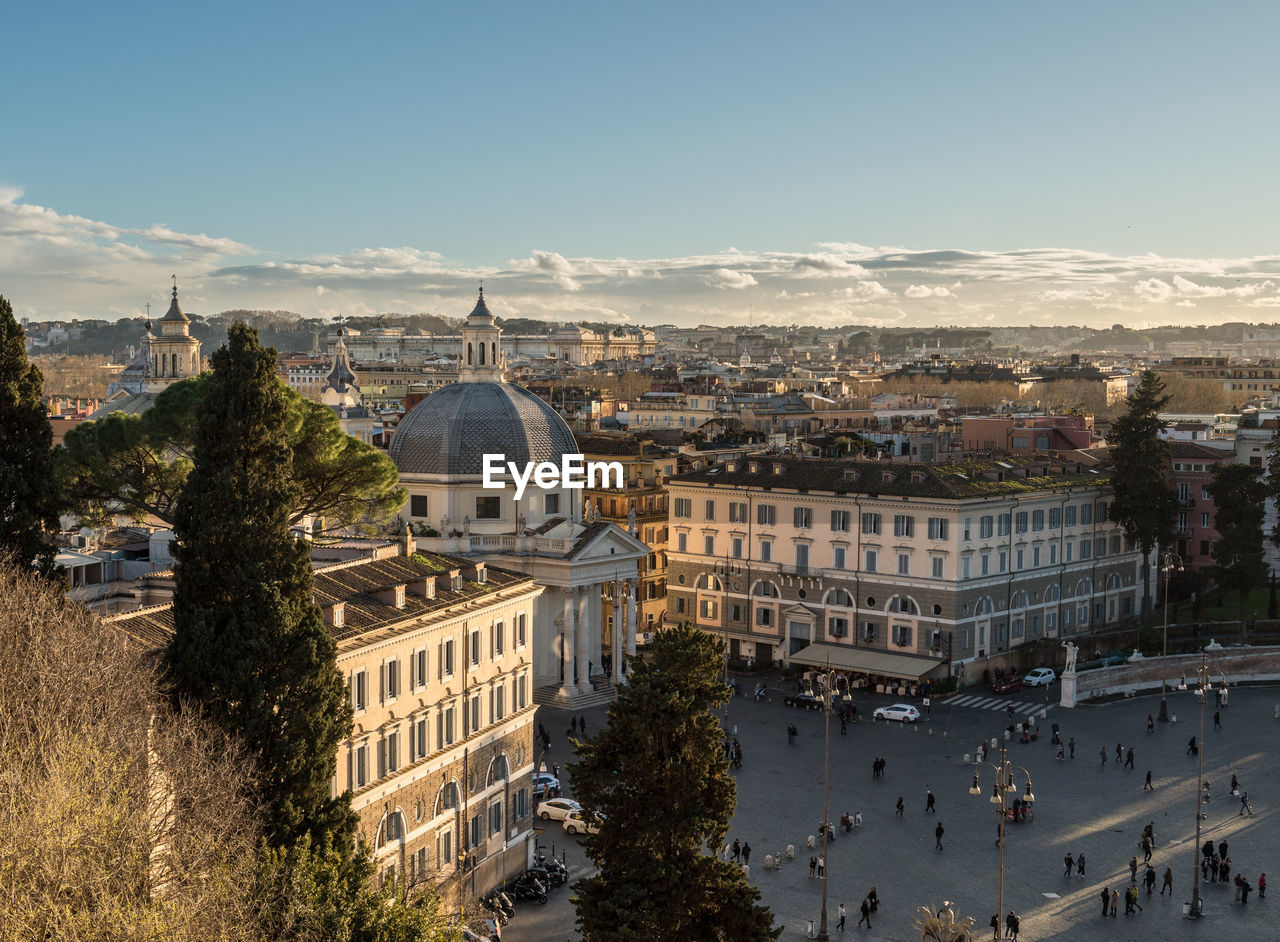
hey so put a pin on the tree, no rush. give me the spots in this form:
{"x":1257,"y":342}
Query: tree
{"x":122,"y":819}
{"x":1272,"y":480}
{"x":1143,"y":501}
{"x":139,"y":464}
{"x":1240,"y":498}
{"x":658,"y":777}
{"x":249,"y":644}
{"x":29,"y":500}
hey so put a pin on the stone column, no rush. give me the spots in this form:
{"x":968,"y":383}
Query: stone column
{"x":633,"y":624}
{"x":567,"y":646}
{"x":619,"y":631}
{"x":585,"y":629}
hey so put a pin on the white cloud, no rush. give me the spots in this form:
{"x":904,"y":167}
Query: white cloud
{"x":827,"y":265}
{"x":728,"y":278}
{"x":927,"y":291}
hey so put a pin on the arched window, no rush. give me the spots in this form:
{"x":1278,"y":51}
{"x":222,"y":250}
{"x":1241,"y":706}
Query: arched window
{"x":446,"y":798}
{"x":903,"y":605}
{"x":1051,"y":594}
{"x":710,"y":583}
{"x":1113,"y":582}
{"x":765,"y":590}
{"x":469,"y":359}
{"x":984,"y":607}
{"x":497,"y":771}
{"x":1084,"y":586}
{"x":493,"y":353}
{"x":1019,"y":600}
{"x":839,"y":597}
{"x":482,"y":354}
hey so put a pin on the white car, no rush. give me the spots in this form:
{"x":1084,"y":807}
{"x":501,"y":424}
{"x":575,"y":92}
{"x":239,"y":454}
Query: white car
{"x":544,"y":783}
{"x":558,"y":809}
{"x":903,"y":712}
{"x":1040,"y":677}
{"x":577,"y":824}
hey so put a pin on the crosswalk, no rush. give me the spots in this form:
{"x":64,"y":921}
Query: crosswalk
{"x":1020,"y":707}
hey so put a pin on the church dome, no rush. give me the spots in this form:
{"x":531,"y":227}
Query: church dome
{"x":451,"y":430}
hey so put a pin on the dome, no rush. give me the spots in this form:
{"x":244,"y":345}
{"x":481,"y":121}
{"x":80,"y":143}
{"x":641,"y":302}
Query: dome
{"x":450,"y":430}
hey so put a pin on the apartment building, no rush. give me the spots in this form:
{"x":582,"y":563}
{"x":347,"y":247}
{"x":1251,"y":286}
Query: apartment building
{"x":436,"y":654}
{"x":969,"y":564}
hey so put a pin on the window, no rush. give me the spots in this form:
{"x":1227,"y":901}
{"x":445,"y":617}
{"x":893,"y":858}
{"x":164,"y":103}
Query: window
{"x":444,"y":658}
{"x":679,"y":606}
{"x":522,"y":700}
{"x":499,"y":702}
{"x":551,"y":504}
{"x":1070,"y":520}
{"x":1204,"y":521}
{"x":1053,"y":554}
{"x":1019,"y":558}
{"x":766,"y":550}
{"x":737,"y":512}
{"x":840,"y":521}
{"x":902,"y":635}
{"x":1086,"y":514}
{"x":736,"y":544}
{"x":710,"y":510}
{"x":904,"y":564}
{"x":521,"y":629}
{"x":735,"y":613}
{"x":475,"y":646}
{"x":475,"y":713}
{"x":359,"y":690}
{"x":1067,"y":549}
{"x":1037,"y":520}
{"x":1102,"y":512}
{"x":418,"y":505}
{"x":709,"y":544}
{"x":682,"y":507}
{"x":871,"y":561}
{"x":904,"y":525}
{"x":1004,"y":524}
{"x":418,"y":669}
{"x":968,"y":528}
{"x":392,"y":747}
{"x":936,"y":562}
{"x":475,"y":828}
{"x":488,"y":508}
{"x":766,"y":515}
{"x":868,"y":631}
{"x":418,"y":739}
{"x":708,"y":609}
{"x":837,"y":627}
{"x":986,"y":564}
{"x":390,"y":679}
{"x":1086,"y":548}
{"x":682,"y":542}
{"x":444,"y":848}
{"x":871,"y":524}
{"x":764,"y":617}
{"x":1004,"y":560}
{"x":1100,"y":546}
{"x":802,"y":518}
{"x":1035,"y":557}
{"x":986,"y":527}
{"x":360,"y":766}
{"x":522,"y":803}
{"x":1020,"y":522}
{"x":499,"y":639}
{"x":937,"y":528}
{"x":1055,"y":518}
{"x":802,"y":557}
{"x":1204,"y":494}
{"x":965,"y":567}
{"x":837,"y":557}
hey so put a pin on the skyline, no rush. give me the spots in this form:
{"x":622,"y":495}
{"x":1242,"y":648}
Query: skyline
{"x":647,"y":162}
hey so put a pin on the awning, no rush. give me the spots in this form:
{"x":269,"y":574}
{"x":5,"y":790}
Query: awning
{"x":865,"y":660}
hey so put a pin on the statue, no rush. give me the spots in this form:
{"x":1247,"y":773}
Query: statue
{"x":466,"y":525}
{"x":522,"y":523}
{"x":631,"y":521}
{"x":1072,"y":650}
{"x":444,"y":525}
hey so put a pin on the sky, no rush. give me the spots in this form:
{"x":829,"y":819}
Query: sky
{"x":872,"y":163}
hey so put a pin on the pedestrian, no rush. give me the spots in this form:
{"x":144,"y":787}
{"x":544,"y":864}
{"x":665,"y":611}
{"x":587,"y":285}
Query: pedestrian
{"x":1106,"y":900}
{"x":1103,"y":752}
{"x":1168,"y":881}
{"x":1061,"y":754}
{"x":1134,"y":891}
{"x":1071,"y":746}
{"x":1151,"y":725}
{"x":1238,"y":881}
{"x":822,"y":866}
{"x":737,"y":850}
{"x":1128,"y":758}
{"x":1128,"y":901}
{"x":1207,"y":850}
{"x":582,"y":724}
{"x":1222,"y":850}
{"x":995,"y":923}
{"x":1070,"y":863}
{"x":1149,"y":878}
{"x":1119,"y":752}
{"x":1147,"y":784}
{"x":1133,"y":869}
{"x":1225,"y":870}
{"x":1245,"y":889}
{"x":928,"y":803}
{"x":746,"y":853}
{"x":1146,"y":850}
{"x":1235,"y":783}
{"x":1010,"y":707}
{"x":1217,"y":720}
{"x":1080,"y":865}
{"x":844,"y":726}
{"x":546,"y":740}
{"x":1262,"y":886}
{"x":1191,"y":746}
{"x":866,"y":913}
{"x":813,"y":866}
{"x":1012,"y":923}
{"x":937,"y":835}
{"x":573,"y":725}
{"x":840,"y":911}
{"x":1245,"y":806}
{"x":1115,"y":901}
{"x":875,"y":900}
{"x":1149,"y":833}
{"x":900,"y":807}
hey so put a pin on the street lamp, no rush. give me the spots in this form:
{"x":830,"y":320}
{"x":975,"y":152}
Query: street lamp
{"x":826,"y":797}
{"x":1170,"y":563}
{"x":1001,"y":786}
{"x":1202,"y":692}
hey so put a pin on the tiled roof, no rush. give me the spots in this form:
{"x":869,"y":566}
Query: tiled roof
{"x":954,"y":481}
{"x":1185,"y":450}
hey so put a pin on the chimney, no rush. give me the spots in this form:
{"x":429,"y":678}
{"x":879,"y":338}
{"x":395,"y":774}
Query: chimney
{"x":408,"y":545}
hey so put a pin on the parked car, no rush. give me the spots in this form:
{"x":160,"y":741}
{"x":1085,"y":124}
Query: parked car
{"x":557,"y":809}
{"x":577,"y":823}
{"x":805,"y":700}
{"x":903,"y":712}
{"x":1006,"y":684}
{"x":1040,"y":677}
{"x":546,"y":782}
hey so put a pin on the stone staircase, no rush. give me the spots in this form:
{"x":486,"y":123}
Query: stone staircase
{"x":549,"y":696}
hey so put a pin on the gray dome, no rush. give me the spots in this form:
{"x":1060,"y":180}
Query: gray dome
{"x":450,"y":430}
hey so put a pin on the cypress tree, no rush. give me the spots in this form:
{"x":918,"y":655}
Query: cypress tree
{"x":1241,"y":499}
{"x":29,"y":502}
{"x":250,"y":647}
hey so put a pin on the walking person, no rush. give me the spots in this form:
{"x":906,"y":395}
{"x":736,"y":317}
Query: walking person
{"x":1192,"y":749}
{"x":1149,"y":879}
{"x":1080,"y":865}
{"x":746,"y":853}
{"x":1147,"y":784}
{"x":1103,"y":753}
{"x":1070,"y":864}
{"x":1168,"y":881}
{"x":1146,"y":850}
{"x":1136,"y":904}
{"x":822,"y":866}
{"x":995,"y":925}
{"x":1133,"y":869}
{"x":573,"y":725}
{"x":866,"y":913}
{"x":1151,"y":724}
{"x":937,"y":835}
{"x":1106,"y":900}
{"x":1128,"y":758}
{"x":1012,"y":923}
{"x":1119,"y":752}
{"x":1262,"y":886}
{"x":1217,"y":720}
{"x":737,"y":850}
{"x":582,"y":724}
{"x":928,"y":803}
{"x":1245,"y":806}
{"x":840,"y":911}
{"x":1071,"y":746}
{"x":900,"y":807}
{"x":1115,"y":901}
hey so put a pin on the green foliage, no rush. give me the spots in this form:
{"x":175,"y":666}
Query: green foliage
{"x":1272,"y":479}
{"x":139,"y":464}
{"x":1240,"y":497}
{"x":658,"y":776}
{"x":323,"y":897}
{"x":29,"y":498}
{"x":1144,"y":502}
{"x":249,"y":645}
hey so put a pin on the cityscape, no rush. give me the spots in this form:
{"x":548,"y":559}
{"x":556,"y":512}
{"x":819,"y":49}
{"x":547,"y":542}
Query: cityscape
{"x":511,"y":487}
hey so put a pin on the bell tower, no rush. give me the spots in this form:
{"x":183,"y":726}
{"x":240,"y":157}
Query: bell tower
{"x":482,"y":358}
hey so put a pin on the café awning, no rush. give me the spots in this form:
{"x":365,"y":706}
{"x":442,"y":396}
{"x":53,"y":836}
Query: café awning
{"x":865,"y":660}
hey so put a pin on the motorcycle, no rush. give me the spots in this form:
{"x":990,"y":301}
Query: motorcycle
{"x":504,"y":902}
{"x":528,"y":887}
{"x":552,"y":865}
{"x":490,"y":906}
{"x":548,"y":878}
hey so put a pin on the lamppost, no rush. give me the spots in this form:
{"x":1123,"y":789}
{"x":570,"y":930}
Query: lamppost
{"x":723,"y":570}
{"x":1170,"y":562}
{"x":1001,"y":787}
{"x":826,"y":797}
{"x":1202,"y":692}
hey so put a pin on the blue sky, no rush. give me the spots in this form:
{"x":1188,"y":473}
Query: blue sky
{"x":891,"y":163}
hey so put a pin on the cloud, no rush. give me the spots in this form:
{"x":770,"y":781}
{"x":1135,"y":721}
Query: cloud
{"x":827,"y":265}
{"x":926,"y":291}
{"x":728,"y":278}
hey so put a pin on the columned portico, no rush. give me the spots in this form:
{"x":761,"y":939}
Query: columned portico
{"x":632,"y":626}
{"x":619,"y":632}
{"x":585,"y":628}
{"x":568,"y":646}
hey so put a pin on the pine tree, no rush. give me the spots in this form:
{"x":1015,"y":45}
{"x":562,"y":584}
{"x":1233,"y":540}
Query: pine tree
{"x":658,"y":777}
{"x":1143,"y":501}
{"x":249,"y":645}
{"x":29,"y":502}
{"x":1240,"y":498}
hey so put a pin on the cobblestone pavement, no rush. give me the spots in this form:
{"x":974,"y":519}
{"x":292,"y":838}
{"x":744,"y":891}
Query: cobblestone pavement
{"x":1081,"y":806}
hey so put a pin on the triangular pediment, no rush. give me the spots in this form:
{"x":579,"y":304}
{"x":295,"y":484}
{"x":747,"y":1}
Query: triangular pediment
{"x":603,"y":540}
